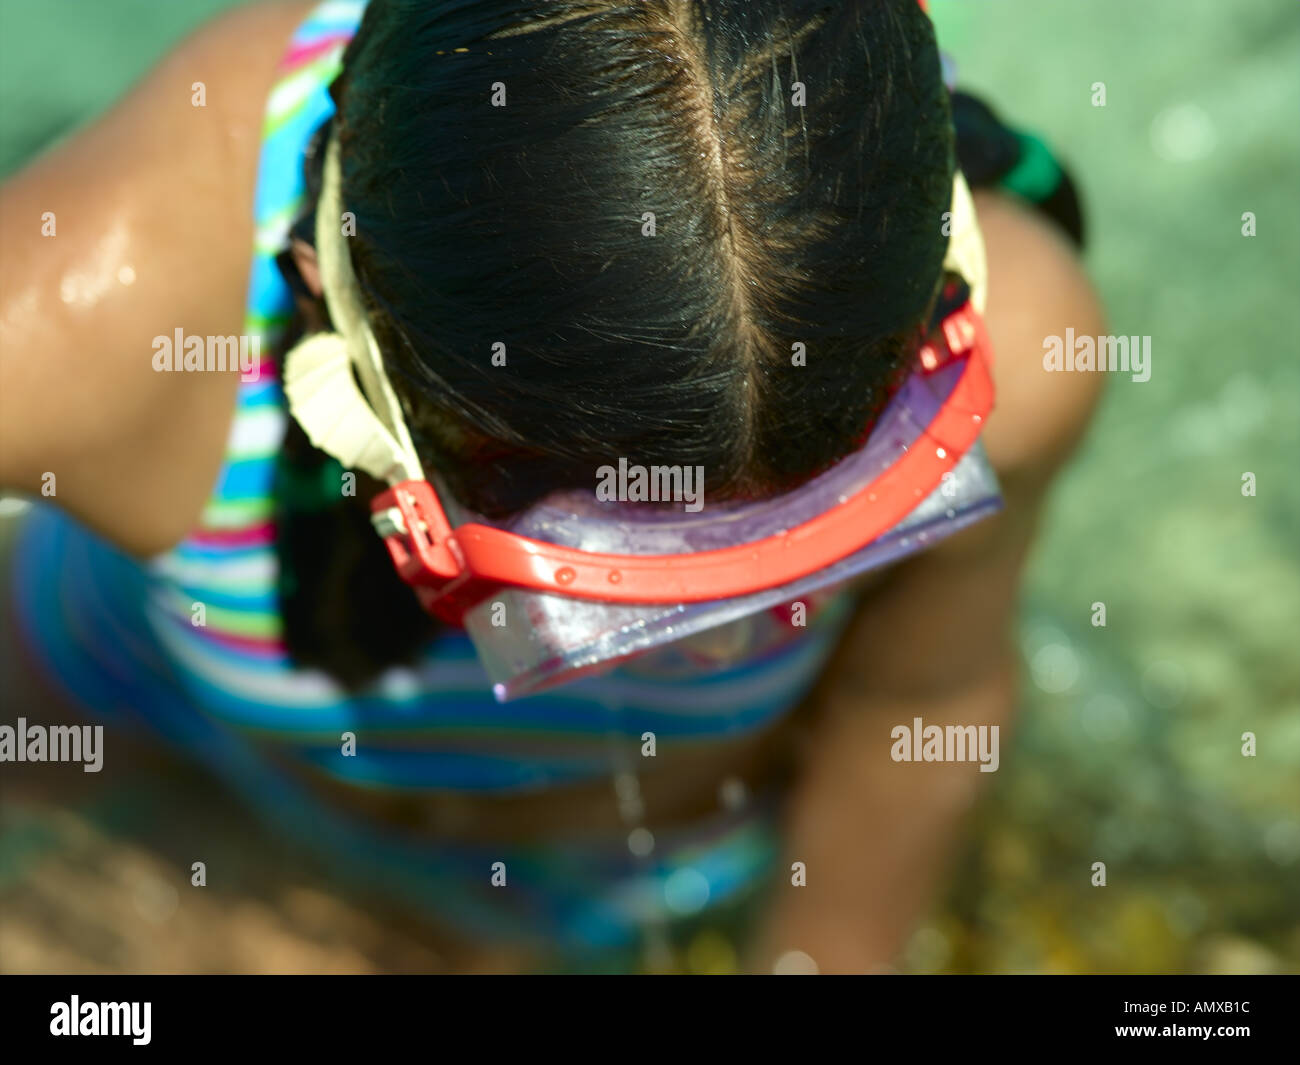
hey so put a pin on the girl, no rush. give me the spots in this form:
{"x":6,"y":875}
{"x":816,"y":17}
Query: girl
{"x":572,"y":233}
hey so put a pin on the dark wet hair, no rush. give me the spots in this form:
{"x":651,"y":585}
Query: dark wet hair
{"x":525,"y":224}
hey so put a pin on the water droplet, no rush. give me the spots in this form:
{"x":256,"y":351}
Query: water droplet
{"x":941,"y":452}
{"x":155,"y":900}
{"x":1055,"y":668}
{"x":615,"y":576}
{"x":686,"y":892}
{"x":1183,"y":134}
{"x":640,"y":842}
{"x":733,"y":793}
{"x":565,"y":575}
{"x":928,"y":949}
{"x":794,"y":963}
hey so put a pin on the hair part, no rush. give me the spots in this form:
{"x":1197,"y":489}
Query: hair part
{"x":775,"y":224}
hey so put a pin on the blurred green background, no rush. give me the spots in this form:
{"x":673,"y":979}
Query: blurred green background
{"x":1129,"y":750}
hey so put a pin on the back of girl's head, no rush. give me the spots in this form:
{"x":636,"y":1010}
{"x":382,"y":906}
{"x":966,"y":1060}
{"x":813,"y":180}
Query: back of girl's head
{"x":649,"y":204}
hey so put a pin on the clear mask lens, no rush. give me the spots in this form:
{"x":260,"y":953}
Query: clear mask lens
{"x":530,"y":641}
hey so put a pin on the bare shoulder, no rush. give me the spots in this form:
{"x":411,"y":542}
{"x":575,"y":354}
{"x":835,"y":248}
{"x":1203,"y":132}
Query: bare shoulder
{"x":137,"y":225}
{"x":1037,"y":288}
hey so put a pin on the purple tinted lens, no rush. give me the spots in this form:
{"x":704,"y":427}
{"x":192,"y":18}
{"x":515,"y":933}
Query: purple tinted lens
{"x":540,"y":640}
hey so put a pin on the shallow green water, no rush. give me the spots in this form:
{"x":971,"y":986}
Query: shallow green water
{"x":1129,"y":751}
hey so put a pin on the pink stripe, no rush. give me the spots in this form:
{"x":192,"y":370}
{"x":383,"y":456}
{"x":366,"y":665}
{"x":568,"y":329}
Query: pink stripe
{"x":261,"y":534}
{"x":266,"y":371}
{"x":300,"y":54}
{"x":261,"y":646}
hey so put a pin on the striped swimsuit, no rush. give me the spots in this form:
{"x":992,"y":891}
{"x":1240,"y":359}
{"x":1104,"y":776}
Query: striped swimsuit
{"x":190,"y":645}
{"x":122,"y":638}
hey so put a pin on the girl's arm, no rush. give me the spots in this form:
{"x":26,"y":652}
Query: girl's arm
{"x":935,"y":642}
{"x":134,"y":227}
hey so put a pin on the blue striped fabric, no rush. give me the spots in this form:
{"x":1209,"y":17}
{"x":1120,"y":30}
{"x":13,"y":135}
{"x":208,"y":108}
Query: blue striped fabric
{"x":82,"y":611}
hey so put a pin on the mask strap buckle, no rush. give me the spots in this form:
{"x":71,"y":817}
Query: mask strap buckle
{"x":424,"y":550}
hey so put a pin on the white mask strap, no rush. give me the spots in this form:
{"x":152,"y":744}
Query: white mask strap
{"x":966,"y":244}
{"x":365,"y":432}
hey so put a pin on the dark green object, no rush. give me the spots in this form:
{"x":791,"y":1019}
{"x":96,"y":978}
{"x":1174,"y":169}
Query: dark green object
{"x":310,"y":489}
{"x":1037,"y":175}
